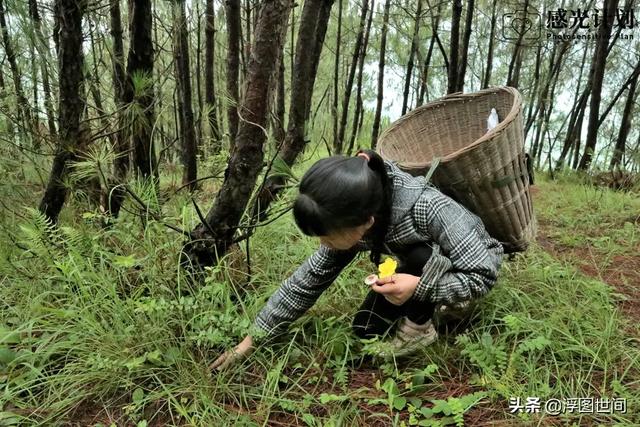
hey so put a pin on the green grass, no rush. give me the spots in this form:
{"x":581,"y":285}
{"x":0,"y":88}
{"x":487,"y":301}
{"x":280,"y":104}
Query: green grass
{"x":94,"y":319}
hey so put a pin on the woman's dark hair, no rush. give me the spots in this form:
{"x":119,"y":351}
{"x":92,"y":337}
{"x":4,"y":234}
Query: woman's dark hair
{"x":338,"y":192}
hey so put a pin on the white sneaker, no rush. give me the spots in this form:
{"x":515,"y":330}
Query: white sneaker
{"x":409,"y":338}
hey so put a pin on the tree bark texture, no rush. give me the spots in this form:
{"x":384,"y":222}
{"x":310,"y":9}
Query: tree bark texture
{"x":232,"y":8}
{"x":71,"y":103}
{"x":213,"y":239}
{"x":209,"y":75}
{"x":381,"y":63}
{"x":311,"y":33}
{"x":338,"y":144}
{"x":188,"y":138}
{"x":599,"y":61}
{"x":412,"y":53}
{"x":141,"y":99}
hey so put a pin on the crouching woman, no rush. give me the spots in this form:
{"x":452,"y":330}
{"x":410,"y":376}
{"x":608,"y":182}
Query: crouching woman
{"x":364,"y":203}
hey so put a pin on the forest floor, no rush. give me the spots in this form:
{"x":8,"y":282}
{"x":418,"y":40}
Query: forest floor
{"x":103,"y":328}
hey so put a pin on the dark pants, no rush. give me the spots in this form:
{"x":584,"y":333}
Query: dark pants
{"x":376,"y":315}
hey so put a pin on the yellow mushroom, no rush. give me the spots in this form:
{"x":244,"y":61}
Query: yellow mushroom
{"x":387,"y":268}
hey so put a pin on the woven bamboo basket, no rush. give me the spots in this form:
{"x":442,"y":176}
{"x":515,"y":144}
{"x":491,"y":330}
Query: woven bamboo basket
{"x":484,"y":171}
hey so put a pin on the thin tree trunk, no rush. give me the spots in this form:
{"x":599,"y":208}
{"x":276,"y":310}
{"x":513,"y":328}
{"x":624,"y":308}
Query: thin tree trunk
{"x":43,"y":50}
{"x":516,"y":59}
{"x":34,"y":88}
{"x":121,"y":148}
{"x":357,"y":114}
{"x":320,"y":32}
{"x":555,"y":65}
{"x":536,"y":80}
{"x":140,"y":66}
{"x":71,"y":105}
{"x":599,"y":61}
{"x":336,"y":76}
{"x":232,"y":8}
{"x":627,"y":83}
{"x":247,"y":47}
{"x":462,"y":66}
{"x":94,"y":82}
{"x":352,"y":73}
{"x":198,"y":122}
{"x":381,"y":62}
{"x":188,"y":138}
{"x":23,"y":104}
{"x":311,"y":34}
{"x":2,"y":84}
{"x":569,"y":143}
{"x":486,"y":81}
{"x":412,"y":52}
{"x":455,"y":43}
{"x":578,"y":137}
{"x":424,"y":76}
{"x":212,"y":240}
{"x":209,"y":75}
{"x":544,"y":125}
{"x":278,"y":122}
{"x":625,"y":126}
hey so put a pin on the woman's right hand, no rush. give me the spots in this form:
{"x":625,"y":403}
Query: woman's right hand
{"x":242,"y":350}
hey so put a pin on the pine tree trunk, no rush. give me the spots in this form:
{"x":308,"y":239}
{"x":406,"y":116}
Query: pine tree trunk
{"x":338,"y":145}
{"x":94,"y":83}
{"x":455,"y":43}
{"x":212,"y":240}
{"x":279,"y":131}
{"x":424,"y":75}
{"x":486,"y":81}
{"x":359,"y":107}
{"x":621,"y":89}
{"x":381,"y":62}
{"x":209,"y":75}
{"x":311,"y":34}
{"x":42,"y":48}
{"x":412,"y":53}
{"x":198,"y":88}
{"x":2,"y":84}
{"x":336,"y":77}
{"x":188,"y":138}
{"x":462,"y":66}
{"x":530,"y":116}
{"x":233,"y":66}
{"x":599,"y":61}
{"x":70,"y":65}
{"x":23,"y":104}
{"x":516,"y":59}
{"x":625,"y":126}
{"x":569,"y":143}
{"x":140,"y":66}
{"x":121,"y":163}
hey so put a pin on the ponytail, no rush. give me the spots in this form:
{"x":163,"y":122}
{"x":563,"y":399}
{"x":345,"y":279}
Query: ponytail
{"x":383,"y":216}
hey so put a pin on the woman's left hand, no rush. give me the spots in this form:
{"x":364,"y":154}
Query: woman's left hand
{"x":397,"y":288}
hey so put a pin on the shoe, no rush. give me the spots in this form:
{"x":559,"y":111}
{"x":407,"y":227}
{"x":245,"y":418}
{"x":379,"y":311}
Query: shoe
{"x":409,"y":338}
{"x":452,"y":315}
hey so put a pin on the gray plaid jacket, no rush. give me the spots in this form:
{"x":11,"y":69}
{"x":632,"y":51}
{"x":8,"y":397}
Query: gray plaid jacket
{"x":464,"y":263}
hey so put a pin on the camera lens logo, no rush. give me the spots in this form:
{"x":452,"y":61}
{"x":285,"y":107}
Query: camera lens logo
{"x":521,"y":25}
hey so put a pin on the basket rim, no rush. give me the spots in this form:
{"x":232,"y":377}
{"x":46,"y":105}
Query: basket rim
{"x":456,"y":97}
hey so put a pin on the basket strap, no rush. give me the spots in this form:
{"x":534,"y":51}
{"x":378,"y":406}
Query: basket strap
{"x":432,"y":169}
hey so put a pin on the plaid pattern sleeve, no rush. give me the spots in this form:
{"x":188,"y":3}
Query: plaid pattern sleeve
{"x":465,"y":260}
{"x":301,"y":290}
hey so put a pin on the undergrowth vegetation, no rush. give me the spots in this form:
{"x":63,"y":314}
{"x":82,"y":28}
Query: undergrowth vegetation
{"x":102,"y":325}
